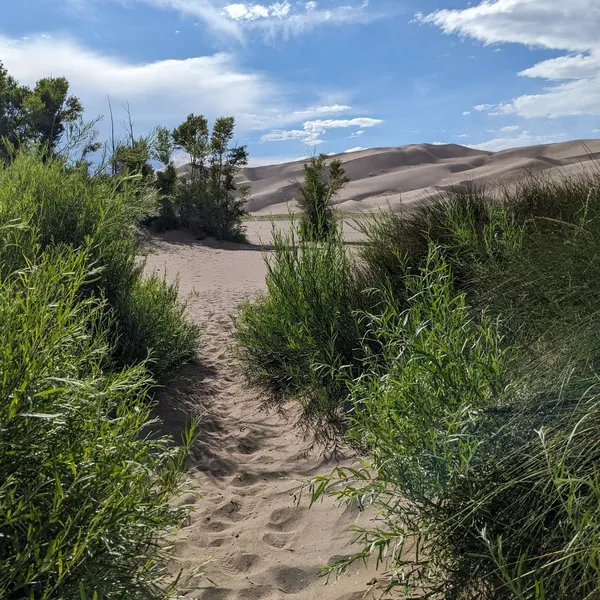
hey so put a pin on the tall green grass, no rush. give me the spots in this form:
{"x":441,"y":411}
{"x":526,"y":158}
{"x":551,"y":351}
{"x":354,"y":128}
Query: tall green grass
{"x":85,"y":490}
{"x":472,"y":392}
{"x":66,"y":206}
{"x":303,"y":331}
{"x":86,"y":482}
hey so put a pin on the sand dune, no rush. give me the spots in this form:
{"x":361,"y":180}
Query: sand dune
{"x":408,"y":174}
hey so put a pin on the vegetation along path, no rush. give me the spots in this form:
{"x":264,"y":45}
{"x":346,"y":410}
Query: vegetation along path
{"x":248,"y":465}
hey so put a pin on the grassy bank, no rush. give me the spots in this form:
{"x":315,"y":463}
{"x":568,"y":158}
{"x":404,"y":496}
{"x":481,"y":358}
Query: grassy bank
{"x":459,"y":355}
{"x":85,"y":489}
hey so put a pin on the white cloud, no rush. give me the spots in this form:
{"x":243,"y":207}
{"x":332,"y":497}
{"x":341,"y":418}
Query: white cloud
{"x":570,"y":26}
{"x":293,"y":19}
{"x":438,"y":143}
{"x":230,"y":19}
{"x":357,"y":133}
{"x":322,"y":110}
{"x":312,"y":130}
{"x":462,"y":135}
{"x":595,"y":130}
{"x":482,"y":107}
{"x":356,"y":149}
{"x":206,"y":10}
{"x":466,"y":112}
{"x":509,"y":128}
{"x":523,"y":139}
{"x":241,"y":12}
{"x":161,"y":92}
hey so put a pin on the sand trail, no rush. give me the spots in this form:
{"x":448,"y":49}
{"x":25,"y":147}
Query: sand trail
{"x":248,"y":465}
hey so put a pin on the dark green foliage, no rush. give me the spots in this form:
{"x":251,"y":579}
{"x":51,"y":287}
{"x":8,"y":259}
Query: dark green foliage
{"x":132,"y":158}
{"x":13,"y":125}
{"x":49,"y":108}
{"x":322,"y":182}
{"x":474,"y":396}
{"x":192,"y":136}
{"x":85,"y":493}
{"x":500,"y":491}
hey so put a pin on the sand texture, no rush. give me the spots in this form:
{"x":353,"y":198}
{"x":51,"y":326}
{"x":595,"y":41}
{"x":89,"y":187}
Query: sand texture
{"x":408,"y":174}
{"x":248,"y":465}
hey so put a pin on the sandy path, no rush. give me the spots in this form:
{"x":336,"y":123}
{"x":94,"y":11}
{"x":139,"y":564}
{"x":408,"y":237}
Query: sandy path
{"x":248,"y":465}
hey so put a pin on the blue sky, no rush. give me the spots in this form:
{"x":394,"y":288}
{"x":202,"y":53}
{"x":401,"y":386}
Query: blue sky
{"x":305,"y":76}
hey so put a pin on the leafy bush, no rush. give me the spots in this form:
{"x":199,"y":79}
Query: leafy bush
{"x":295,"y":338}
{"x":469,"y":382}
{"x":85,"y":492}
{"x":208,"y":202}
{"x":208,"y":215}
{"x":484,"y":469}
{"x":66,"y":206}
{"x":321,"y":184}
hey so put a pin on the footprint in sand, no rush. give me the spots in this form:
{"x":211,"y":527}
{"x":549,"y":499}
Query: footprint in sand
{"x":258,"y":592}
{"x":239,"y":563}
{"x":216,"y":526}
{"x":276,"y":540}
{"x":215,"y":594}
{"x":246,"y":445}
{"x":285,"y":519}
{"x":229,"y":510}
{"x":291,"y":580}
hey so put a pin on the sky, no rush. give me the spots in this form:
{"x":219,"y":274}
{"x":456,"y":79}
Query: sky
{"x":308,"y":76}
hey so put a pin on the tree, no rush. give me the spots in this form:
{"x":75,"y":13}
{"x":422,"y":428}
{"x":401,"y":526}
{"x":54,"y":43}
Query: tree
{"x":166,"y":178}
{"x":49,"y":108}
{"x":321,"y":184}
{"x":131,"y":158}
{"x":13,"y":130}
{"x":192,"y":137}
{"x":210,"y":203}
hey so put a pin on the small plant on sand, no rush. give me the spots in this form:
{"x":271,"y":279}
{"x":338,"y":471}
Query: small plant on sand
{"x":294,"y":338}
{"x":322,"y":182}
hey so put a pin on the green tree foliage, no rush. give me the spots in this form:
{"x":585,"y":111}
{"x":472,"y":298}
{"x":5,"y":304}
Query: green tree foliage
{"x":208,"y":202}
{"x":49,"y":109}
{"x":166,"y":178}
{"x":192,"y":136}
{"x":132,"y":158}
{"x":322,"y":182}
{"x":41,"y":115}
{"x":12,"y":117}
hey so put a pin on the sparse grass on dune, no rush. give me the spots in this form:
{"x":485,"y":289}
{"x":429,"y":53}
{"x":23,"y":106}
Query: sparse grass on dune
{"x":472,"y":389}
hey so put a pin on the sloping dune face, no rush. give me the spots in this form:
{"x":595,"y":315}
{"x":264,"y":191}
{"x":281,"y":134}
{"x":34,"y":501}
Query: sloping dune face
{"x":392,"y":176}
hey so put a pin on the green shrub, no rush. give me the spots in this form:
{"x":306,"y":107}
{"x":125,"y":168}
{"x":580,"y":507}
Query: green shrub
{"x":85,"y":492}
{"x":207,"y":214}
{"x":304,"y":329}
{"x":483,"y":469}
{"x":64,"y":206}
{"x":321,"y":184}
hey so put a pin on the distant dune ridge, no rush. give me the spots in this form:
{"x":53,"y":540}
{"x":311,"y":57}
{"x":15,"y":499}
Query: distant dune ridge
{"x":408,"y":174}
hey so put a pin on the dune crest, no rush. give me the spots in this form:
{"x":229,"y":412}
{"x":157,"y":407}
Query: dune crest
{"x":407,"y":174}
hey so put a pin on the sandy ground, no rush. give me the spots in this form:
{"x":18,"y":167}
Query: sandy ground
{"x":248,"y":465}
